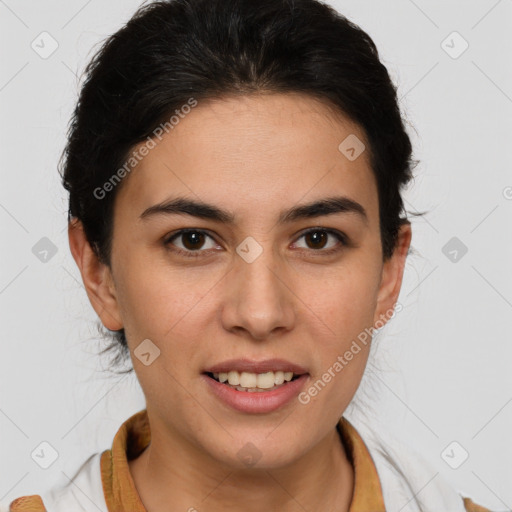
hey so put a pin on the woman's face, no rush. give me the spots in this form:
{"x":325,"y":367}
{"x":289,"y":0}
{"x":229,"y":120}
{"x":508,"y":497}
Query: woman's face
{"x":256,"y":287}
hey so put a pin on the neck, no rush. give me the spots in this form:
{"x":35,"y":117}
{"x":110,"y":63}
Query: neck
{"x":171,"y":471}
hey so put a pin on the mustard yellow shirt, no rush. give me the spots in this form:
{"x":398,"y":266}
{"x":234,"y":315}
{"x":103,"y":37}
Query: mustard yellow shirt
{"x":134,"y":436}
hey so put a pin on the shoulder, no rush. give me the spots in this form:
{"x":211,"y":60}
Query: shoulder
{"x":402,"y":468}
{"x":35,"y":504}
{"x":32,"y":503}
{"x":85,"y":487}
{"x":471,"y":506}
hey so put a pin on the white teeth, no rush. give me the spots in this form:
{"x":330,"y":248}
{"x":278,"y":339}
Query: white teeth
{"x":253,"y":382}
{"x":248,"y":380}
{"x":234,"y":378}
{"x":265,"y":380}
{"x":278,"y":378}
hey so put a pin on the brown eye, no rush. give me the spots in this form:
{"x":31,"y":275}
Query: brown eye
{"x":192,"y":242}
{"x":317,"y":239}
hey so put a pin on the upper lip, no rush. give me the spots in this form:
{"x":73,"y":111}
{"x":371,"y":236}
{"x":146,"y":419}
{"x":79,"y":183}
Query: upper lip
{"x":252,"y":366}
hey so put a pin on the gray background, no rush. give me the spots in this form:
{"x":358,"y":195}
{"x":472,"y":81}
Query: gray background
{"x":441,"y":369}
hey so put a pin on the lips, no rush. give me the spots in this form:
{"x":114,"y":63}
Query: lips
{"x":253,"y":400}
{"x":252,"y":366}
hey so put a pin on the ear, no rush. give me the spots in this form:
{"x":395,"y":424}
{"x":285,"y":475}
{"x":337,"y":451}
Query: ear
{"x":96,"y":276}
{"x":391,"y":277}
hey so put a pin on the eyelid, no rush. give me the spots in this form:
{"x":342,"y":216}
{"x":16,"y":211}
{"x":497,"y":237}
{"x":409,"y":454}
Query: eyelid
{"x":342,"y":238}
{"x":176,"y":234}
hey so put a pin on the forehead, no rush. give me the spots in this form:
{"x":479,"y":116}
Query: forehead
{"x":251,"y":153}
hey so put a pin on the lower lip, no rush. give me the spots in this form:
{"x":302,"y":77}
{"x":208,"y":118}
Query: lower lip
{"x":257,"y":402}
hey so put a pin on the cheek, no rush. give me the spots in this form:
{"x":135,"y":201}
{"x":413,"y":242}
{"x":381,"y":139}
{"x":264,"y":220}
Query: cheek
{"x":152,"y":299}
{"x":343,"y":351}
{"x":346,"y":307}
{"x":347,"y":299}
{"x":169,"y":306}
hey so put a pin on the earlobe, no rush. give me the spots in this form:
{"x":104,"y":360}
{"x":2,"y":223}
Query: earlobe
{"x":96,"y":277}
{"x":392,"y":275}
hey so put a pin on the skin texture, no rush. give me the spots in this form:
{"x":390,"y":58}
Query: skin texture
{"x":252,"y":155}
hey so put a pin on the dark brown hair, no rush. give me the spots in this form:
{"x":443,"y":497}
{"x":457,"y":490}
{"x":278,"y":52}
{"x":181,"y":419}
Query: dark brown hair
{"x":170,"y":51}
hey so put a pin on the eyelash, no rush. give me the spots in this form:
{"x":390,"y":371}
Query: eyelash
{"x":195,"y":254}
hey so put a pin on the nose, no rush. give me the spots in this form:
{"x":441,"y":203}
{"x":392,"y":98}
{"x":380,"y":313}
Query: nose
{"x":259,"y":302}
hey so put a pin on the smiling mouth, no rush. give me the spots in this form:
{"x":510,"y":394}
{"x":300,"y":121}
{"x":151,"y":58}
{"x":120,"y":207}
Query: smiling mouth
{"x":254,"y":382}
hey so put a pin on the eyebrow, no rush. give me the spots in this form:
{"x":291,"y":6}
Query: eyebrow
{"x":200,"y":209}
